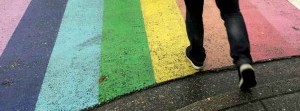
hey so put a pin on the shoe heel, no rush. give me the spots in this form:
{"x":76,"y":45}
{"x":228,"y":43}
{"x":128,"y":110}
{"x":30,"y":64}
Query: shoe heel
{"x":247,"y":77}
{"x":193,"y":65}
{"x":249,"y":80}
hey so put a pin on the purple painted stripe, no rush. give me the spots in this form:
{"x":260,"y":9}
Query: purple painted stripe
{"x":24,"y":61}
{"x":11,"y":13}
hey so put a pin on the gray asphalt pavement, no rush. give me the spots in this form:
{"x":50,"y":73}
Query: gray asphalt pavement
{"x":278,"y":89}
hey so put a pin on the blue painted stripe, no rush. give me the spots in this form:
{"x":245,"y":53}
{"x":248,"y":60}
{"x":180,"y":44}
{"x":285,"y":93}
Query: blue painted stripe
{"x":71,"y":80}
{"x":24,"y":61}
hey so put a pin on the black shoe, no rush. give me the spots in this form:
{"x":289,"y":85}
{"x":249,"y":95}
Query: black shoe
{"x":247,"y":77}
{"x":196,"y":63}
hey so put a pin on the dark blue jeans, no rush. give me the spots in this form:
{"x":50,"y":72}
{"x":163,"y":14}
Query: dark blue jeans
{"x":235,"y":27}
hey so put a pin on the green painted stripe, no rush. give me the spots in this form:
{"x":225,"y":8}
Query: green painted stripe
{"x":125,"y":59}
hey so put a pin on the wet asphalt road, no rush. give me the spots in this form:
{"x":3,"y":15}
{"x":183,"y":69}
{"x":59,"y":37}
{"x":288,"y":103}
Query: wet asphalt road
{"x":272,"y":78}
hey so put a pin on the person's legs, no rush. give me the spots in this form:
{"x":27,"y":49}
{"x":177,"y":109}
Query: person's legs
{"x":194,"y":26}
{"x":238,"y":40}
{"x":236,"y":31}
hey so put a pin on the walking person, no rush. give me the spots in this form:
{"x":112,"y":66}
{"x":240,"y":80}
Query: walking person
{"x":237,"y":37}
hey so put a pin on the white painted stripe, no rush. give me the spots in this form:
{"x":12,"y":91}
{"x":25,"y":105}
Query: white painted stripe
{"x":71,"y":80}
{"x":296,"y":3}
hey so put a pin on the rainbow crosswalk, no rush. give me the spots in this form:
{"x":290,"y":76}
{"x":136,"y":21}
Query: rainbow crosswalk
{"x":73,"y":54}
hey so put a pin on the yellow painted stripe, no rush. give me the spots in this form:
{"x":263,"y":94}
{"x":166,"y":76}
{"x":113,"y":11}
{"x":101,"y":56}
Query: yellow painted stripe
{"x":167,"y":39}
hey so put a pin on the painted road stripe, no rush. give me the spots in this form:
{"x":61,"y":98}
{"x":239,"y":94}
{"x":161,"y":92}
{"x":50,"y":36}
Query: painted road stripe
{"x":125,"y":59}
{"x":167,"y":39}
{"x":25,"y":59}
{"x":266,"y":41}
{"x":296,"y":3}
{"x":11,"y":14}
{"x":215,"y":37}
{"x":283,"y":16}
{"x":71,"y":80}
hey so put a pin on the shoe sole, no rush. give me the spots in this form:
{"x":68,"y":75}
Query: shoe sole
{"x":248,"y":78}
{"x":193,"y":65}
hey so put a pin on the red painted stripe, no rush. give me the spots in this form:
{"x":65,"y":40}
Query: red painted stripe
{"x":266,"y":41}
